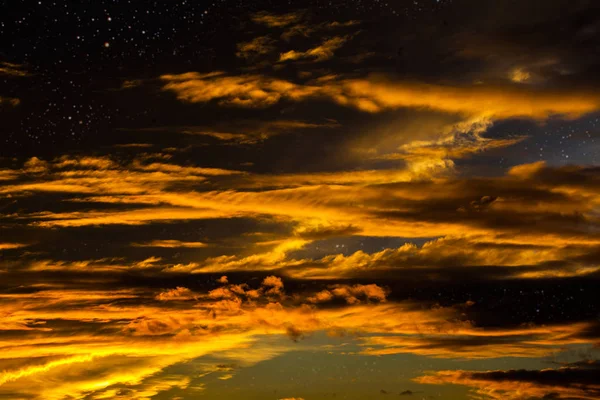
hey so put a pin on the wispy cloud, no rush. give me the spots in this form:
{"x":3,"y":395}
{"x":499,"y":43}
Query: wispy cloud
{"x":322,"y":52}
{"x":379,"y":94}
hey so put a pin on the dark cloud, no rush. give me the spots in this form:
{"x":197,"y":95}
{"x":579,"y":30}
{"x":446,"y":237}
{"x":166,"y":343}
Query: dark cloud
{"x":579,"y":381}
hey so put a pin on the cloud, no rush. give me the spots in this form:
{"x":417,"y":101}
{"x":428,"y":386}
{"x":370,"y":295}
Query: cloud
{"x":258,"y":46}
{"x":520,"y":75}
{"x":323,"y":52}
{"x":456,"y":141}
{"x":13,"y":70}
{"x":251,"y":91}
{"x":276,"y":20}
{"x":11,"y":101}
{"x":132,"y":83}
{"x":351,"y":294}
{"x":447,"y":256}
{"x":10,"y":246}
{"x":179,"y":293}
{"x":535,"y":201}
{"x":470,"y":342}
{"x":123,"y":341}
{"x":171,"y":244}
{"x":274,"y":284}
{"x":141,"y":274}
{"x":563,"y":383}
{"x":245,"y":132}
{"x":377,"y":94}
{"x":147,"y":387}
{"x":307,"y":29}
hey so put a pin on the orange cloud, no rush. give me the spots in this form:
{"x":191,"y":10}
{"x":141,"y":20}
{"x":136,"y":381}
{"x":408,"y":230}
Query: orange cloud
{"x":276,"y":20}
{"x":11,"y":101}
{"x":10,"y":246}
{"x":179,"y":293}
{"x":258,"y":46}
{"x":171,"y":244}
{"x":119,"y":340}
{"x":376,"y":94}
{"x":563,"y":383}
{"x":322,"y":52}
{"x":12,"y":69}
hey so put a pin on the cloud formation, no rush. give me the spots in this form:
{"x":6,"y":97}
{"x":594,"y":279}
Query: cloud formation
{"x":579,"y":381}
{"x":377,"y":94}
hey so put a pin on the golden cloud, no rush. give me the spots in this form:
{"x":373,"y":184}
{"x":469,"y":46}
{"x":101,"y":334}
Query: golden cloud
{"x":11,"y":101}
{"x":111,"y":344}
{"x":10,"y":246}
{"x":563,"y":383}
{"x":378,"y":94}
{"x":171,"y":244}
{"x":12,"y":69}
{"x":276,"y":20}
{"x":322,"y":52}
{"x":258,"y":46}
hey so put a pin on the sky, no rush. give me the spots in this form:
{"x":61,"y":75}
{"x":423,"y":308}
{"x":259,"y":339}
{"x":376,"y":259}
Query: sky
{"x":300,"y":199}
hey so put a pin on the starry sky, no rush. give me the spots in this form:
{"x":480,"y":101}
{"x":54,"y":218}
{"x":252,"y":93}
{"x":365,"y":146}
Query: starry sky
{"x":299,"y":199}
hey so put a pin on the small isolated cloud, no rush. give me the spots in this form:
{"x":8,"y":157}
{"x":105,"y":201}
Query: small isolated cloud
{"x":129,"y":84}
{"x":519,"y":75}
{"x":276,"y":20}
{"x":322,"y":52}
{"x":9,"y":101}
{"x":10,"y":246}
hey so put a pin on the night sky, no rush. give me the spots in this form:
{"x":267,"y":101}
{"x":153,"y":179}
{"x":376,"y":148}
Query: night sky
{"x":300,"y":200}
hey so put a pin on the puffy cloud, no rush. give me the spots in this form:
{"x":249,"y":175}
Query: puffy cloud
{"x":351,"y":294}
{"x":275,"y":285}
{"x":253,"y":91}
{"x":520,"y":75}
{"x":179,"y":293}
